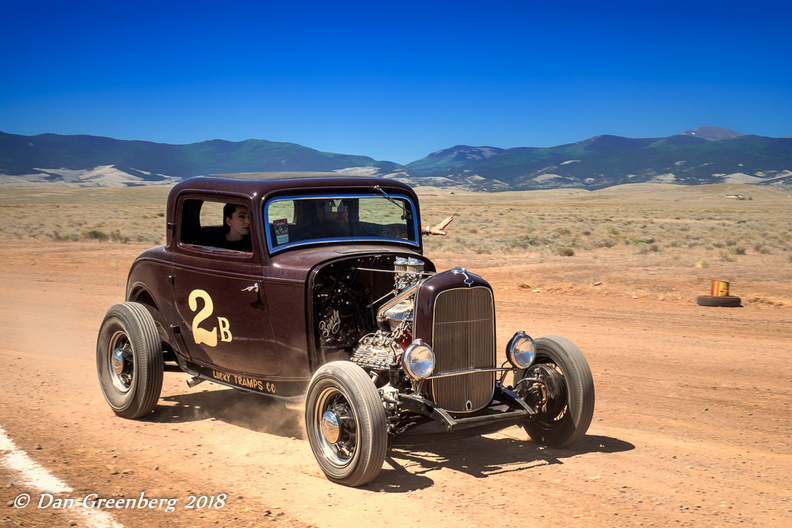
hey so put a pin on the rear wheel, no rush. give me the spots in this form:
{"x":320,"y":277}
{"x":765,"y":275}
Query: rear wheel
{"x":346,"y":423}
{"x":129,"y":360}
{"x":564,"y":399}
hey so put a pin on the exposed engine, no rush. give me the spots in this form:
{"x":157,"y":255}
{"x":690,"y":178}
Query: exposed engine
{"x":409,"y":272}
{"x":377,"y":351}
{"x":363,"y":309}
{"x":380,"y":350}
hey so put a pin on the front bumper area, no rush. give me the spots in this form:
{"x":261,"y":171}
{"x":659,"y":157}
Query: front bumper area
{"x":505,"y":410}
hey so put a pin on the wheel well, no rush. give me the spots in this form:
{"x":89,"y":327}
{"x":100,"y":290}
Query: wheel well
{"x":142,"y":296}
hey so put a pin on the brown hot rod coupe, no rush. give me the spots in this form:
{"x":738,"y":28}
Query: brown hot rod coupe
{"x":329,"y":303}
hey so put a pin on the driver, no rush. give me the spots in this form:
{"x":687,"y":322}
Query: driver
{"x":333,"y":218}
{"x":236,"y":229}
{"x":327,"y":219}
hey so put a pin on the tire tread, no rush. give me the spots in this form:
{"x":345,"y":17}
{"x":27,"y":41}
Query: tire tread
{"x":580,"y":389}
{"x":372,"y":412}
{"x":722,"y":301}
{"x":141,"y":330}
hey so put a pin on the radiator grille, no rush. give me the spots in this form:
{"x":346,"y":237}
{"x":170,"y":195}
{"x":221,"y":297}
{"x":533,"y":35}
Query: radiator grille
{"x":463,"y":339}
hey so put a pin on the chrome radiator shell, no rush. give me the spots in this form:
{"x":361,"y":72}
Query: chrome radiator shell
{"x":463,"y":339}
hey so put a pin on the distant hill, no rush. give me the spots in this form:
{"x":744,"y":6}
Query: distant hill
{"x":101,"y":161}
{"x":704,"y":155}
{"x":712,"y":133}
{"x":693,"y":158}
{"x":450,"y":158}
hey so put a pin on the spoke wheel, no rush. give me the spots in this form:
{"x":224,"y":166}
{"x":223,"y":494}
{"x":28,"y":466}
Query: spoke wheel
{"x":337,"y":430}
{"x":346,"y":423}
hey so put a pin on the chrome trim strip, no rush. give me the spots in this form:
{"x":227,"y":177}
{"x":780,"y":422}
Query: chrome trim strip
{"x":472,"y":371}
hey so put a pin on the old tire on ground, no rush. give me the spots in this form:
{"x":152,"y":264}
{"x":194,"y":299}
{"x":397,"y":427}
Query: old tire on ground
{"x":726,"y":301}
{"x":346,"y":424}
{"x":565,"y":414}
{"x":129,"y":360}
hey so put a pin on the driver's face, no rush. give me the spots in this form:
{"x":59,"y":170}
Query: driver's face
{"x":238,"y":223}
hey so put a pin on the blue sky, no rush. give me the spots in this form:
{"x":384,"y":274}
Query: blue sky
{"x":394,"y":80}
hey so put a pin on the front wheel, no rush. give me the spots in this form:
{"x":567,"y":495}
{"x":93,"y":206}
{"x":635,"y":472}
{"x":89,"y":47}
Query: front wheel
{"x":129,"y":360}
{"x":346,"y":423}
{"x":564,"y":395}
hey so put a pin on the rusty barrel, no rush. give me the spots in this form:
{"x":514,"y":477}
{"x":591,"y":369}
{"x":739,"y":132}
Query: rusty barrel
{"x":720,"y":288}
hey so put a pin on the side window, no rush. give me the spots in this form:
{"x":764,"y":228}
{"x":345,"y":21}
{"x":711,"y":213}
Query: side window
{"x":212,"y":214}
{"x":215,"y":224}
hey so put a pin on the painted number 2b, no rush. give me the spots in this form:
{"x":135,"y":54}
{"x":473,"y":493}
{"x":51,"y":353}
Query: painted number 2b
{"x":201,"y":335}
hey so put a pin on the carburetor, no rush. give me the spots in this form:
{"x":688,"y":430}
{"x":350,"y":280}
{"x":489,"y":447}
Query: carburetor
{"x":408,"y":272}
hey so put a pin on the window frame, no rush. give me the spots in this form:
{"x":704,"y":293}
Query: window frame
{"x":413,"y":243}
{"x":191,"y":247}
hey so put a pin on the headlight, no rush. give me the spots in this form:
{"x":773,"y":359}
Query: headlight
{"x":521,"y":350}
{"x":419,"y":360}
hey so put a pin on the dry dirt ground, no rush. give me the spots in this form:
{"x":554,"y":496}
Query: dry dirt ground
{"x":691,"y":427}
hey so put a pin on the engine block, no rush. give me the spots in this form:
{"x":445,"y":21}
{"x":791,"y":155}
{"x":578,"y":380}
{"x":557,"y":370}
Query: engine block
{"x":376,"y":351}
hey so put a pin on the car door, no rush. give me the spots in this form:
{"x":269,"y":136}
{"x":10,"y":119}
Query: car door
{"x":222,"y":307}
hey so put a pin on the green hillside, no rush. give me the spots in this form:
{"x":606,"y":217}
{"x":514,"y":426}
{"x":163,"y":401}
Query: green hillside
{"x":604,"y":161}
{"x":702,"y":156}
{"x":453,"y":157}
{"x":21,"y":155}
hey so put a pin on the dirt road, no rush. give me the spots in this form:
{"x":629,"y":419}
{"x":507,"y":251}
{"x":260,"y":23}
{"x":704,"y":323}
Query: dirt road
{"x":692,"y":423}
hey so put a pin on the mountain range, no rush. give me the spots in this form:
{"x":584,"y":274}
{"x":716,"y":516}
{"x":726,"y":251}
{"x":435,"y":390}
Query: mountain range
{"x":701,"y":156}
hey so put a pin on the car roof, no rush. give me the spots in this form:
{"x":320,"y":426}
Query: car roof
{"x":261,"y":184}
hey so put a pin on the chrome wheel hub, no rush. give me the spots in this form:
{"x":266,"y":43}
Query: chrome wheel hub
{"x":329,"y":426}
{"x":117,"y":361}
{"x":121,"y":362}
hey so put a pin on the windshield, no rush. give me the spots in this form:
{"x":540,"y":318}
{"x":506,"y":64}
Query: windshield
{"x":296,"y":220}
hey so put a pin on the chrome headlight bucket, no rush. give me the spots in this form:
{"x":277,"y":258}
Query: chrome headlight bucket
{"x":419,"y":360}
{"x":521,"y":350}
